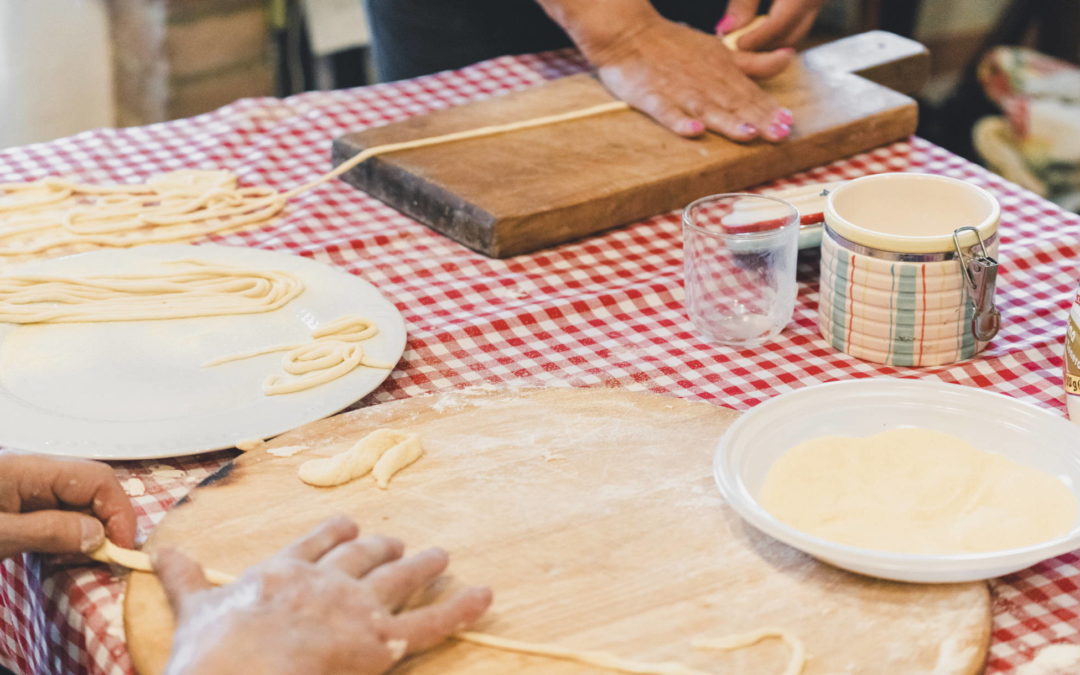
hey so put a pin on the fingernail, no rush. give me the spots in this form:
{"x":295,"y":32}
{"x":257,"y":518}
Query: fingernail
{"x":91,"y":534}
{"x":779,"y":130}
{"x":784,"y":116}
{"x":747,"y":129}
{"x":689,"y":127}
{"x":724,"y":24}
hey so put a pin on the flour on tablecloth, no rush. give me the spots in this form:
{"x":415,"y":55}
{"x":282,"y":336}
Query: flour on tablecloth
{"x":165,"y":471}
{"x":134,"y":487}
{"x":510,"y":293}
{"x":1059,"y":659}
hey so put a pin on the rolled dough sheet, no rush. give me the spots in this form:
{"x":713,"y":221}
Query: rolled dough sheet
{"x":913,"y":490}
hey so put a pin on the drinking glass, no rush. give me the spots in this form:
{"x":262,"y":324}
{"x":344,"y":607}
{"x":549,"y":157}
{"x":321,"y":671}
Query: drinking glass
{"x":739,"y":254}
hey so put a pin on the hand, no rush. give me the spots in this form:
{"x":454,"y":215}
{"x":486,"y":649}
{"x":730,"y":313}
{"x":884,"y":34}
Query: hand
{"x":37,"y":495}
{"x":329,"y":603}
{"x":788,"y":22}
{"x":689,"y":81}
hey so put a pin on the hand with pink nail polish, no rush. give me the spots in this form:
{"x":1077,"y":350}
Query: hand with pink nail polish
{"x":685,"y":79}
{"x":52,"y":505}
{"x":331,"y":602}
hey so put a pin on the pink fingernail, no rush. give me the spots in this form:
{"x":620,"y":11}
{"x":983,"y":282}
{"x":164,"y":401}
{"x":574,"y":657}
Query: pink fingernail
{"x":784,"y":116}
{"x":779,"y":130}
{"x":747,"y":129}
{"x":694,"y":127}
{"x":725,"y":24}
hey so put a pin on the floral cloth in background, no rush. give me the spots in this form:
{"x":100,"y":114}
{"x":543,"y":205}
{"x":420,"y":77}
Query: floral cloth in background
{"x":1037,"y":141}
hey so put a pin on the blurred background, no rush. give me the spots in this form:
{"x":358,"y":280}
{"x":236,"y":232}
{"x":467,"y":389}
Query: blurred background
{"x":71,"y":65}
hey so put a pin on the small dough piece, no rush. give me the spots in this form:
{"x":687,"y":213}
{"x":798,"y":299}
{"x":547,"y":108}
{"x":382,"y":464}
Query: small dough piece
{"x":397,"y":458}
{"x":358,"y":460}
{"x":134,"y":487}
{"x":731,"y":40}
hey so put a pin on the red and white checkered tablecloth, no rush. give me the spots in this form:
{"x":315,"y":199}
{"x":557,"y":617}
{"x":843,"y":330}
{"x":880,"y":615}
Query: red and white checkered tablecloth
{"x":605,"y":311}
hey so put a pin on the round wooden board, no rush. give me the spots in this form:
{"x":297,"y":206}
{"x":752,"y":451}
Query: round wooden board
{"x":593,"y":515}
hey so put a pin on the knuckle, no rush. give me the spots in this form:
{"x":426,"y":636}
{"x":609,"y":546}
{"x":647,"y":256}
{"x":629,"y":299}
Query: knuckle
{"x":738,"y":99}
{"x":280,"y":572}
{"x":655,"y":103}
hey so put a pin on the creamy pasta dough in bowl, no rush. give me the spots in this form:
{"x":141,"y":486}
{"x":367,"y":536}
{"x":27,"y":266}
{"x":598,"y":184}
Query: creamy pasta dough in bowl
{"x":905,"y":479}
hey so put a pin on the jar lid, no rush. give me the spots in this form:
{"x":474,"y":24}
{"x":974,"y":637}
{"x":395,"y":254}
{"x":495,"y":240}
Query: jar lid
{"x":910,"y":212}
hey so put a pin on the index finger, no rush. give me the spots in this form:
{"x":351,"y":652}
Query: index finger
{"x":47,"y":482}
{"x":426,"y":627}
{"x":179,"y":575}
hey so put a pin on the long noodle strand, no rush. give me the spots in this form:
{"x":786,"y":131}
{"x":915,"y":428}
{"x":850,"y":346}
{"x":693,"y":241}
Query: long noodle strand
{"x":53,"y":216}
{"x":183,"y":289}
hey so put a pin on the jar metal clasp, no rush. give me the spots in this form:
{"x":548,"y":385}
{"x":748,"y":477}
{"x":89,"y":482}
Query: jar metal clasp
{"x":980,"y":274}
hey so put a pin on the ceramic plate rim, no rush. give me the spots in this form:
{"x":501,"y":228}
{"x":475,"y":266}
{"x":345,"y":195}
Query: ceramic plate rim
{"x":903,"y":566}
{"x":348,"y":390}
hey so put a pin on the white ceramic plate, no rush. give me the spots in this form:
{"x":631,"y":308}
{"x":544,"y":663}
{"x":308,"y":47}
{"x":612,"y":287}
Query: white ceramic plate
{"x":136,"y":390}
{"x":992,"y":422}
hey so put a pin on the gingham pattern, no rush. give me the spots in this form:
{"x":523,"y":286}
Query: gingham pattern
{"x":606,"y":311}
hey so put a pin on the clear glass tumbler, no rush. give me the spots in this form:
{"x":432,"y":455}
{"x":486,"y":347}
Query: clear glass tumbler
{"x":739,"y":254}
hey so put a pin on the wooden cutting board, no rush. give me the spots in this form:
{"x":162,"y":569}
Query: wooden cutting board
{"x":524,"y":190}
{"x":594,"y":517}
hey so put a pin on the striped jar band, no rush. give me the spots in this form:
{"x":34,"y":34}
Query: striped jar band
{"x":991,"y":244}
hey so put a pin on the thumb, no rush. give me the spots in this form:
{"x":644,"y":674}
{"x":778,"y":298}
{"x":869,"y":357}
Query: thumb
{"x":49,"y":532}
{"x":180,"y":576}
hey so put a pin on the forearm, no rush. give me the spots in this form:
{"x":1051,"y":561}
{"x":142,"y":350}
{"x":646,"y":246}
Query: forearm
{"x":596,"y":26}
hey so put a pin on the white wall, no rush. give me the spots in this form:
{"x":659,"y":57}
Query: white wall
{"x":55,"y":70}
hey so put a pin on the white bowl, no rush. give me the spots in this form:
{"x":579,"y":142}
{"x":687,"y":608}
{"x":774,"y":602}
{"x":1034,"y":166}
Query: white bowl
{"x":991,"y":422}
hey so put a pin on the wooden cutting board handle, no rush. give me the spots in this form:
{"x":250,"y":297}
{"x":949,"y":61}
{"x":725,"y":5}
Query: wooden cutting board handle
{"x":888,"y":59}
{"x":521,"y":191}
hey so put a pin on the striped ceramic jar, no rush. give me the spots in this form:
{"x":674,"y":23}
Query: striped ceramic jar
{"x":892,"y":287}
